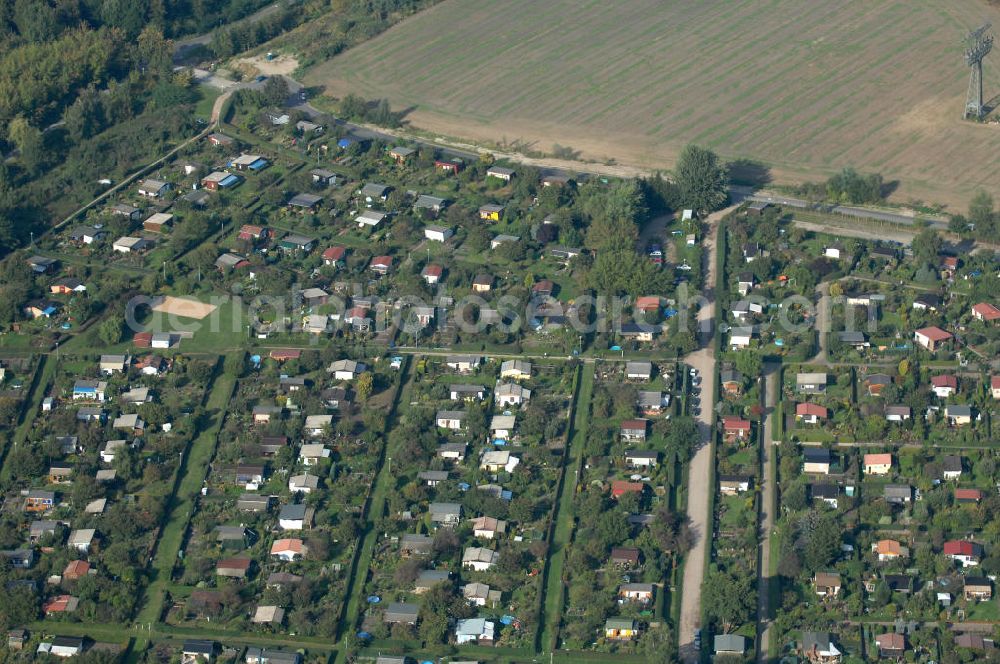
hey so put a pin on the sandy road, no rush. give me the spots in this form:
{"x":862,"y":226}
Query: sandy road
{"x":699,"y":488}
{"x":768,"y":504}
{"x":823,"y":320}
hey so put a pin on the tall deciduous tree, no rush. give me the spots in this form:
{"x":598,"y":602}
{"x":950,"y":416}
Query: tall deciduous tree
{"x":927,"y":245}
{"x":85,"y":117}
{"x":981,"y":211}
{"x":29,"y":142}
{"x":728,"y":598}
{"x":702,"y":179}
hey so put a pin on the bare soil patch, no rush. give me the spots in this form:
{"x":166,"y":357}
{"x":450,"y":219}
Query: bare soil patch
{"x":281,"y":65}
{"x":184,"y":307}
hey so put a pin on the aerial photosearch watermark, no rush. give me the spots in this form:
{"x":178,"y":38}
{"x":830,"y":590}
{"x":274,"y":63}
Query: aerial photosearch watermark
{"x":314,"y":310}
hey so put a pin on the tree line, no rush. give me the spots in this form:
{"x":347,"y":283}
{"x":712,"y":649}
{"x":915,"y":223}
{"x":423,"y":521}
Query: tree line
{"x":27,"y":21}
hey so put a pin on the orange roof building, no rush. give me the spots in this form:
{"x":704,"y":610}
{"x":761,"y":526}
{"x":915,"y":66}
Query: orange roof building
{"x":76,"y":569}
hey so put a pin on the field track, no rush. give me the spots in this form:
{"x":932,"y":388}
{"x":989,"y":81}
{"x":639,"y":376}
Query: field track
{"x":807,"y":87}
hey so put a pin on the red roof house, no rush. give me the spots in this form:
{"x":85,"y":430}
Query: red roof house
{"x":60,"y":604}
{"x":735,"y":427}
{"x":648,"y":303}
{"x":251,"y":232}
{"x":944,"y":381}
{"x":334,"y":255}
{"x":624,"y":556}
{"x":76,"y":569}
{"x":944,"y":385}
{"x":448,"y":166}
{"x":432,"y":273}
{"x":964,"y":551}
{"x":381,"y":264}
{"x":282,"y":354}
{"x":142,"y":339}
{"x":620,"y":487}
{"x":968,"y":495}
{"x":985,"y":312}
{"x":931,"y":337}
{"x":811,"y":412}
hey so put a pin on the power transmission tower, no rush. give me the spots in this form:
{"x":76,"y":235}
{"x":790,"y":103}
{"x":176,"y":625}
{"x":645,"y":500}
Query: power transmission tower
{"x":978,"y":44}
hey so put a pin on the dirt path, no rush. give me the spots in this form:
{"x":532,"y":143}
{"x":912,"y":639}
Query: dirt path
{"x":823,"y":318}
{"x":544,"y":163}
{"x":903,"y":237}
{"x":768,"y":506}
{"x":182,"y":46}
{"x":699,"y":472}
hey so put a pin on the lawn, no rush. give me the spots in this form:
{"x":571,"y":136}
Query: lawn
{"x":620,"y":81}
{"x":373,"y":510}
{"x":745,"y":457}
{"x":733,"y":509}
{"x":220,"y":331}
{"x":982,"y":611}
{"x":563,"y":527}
{"x":191,"y":477}
{"x":206,"y":99}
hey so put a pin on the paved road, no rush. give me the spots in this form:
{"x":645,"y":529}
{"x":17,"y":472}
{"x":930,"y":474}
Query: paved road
{"x":699,"y":488}
{"x":849,"y":211}
{"x":903,"y":237}
{"x":768,"y":505}
{"x":182,"y":46}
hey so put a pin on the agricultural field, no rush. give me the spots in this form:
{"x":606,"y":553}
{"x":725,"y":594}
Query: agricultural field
{"x":806,"y":89}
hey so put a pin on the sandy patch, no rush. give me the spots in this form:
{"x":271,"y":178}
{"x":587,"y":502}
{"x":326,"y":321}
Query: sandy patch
{"x":184,"y":307}
{"x":282,"y":65}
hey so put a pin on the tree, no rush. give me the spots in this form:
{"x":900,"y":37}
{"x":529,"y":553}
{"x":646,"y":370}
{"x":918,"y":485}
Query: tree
{"x":18,"y":607}
{"x":615,"y":216}
{"x":606,"y":234}
{"x":794,"y":498}
{"x":657,"y":645}
{"x":671,"y":531}
{"x":981,"y":210}
{"x":85,"y":117}
{"x":822,"y":544}
{"x":703,"y":182}
{"x":125,"y":14}
{"x":110,"y":330}
{"x":382,"y":115}
{"x":728,"y":598}
{"x":477,"y":239}
{"x":275,"y":91}
{"x":30,"y":144}
{"x":883,"y":594}
{"x":850,"y":186}
{"x":364,"y":385}
{"x":154,"y":52}
{"x":35,"y":21}
{"x":927,"y":245}
{"x":681,"y":437}
{"x":749,"y":364}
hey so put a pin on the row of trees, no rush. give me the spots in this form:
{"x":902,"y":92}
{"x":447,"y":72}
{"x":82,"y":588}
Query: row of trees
{"x":25,"y":21}
{"x":848,"y":186}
